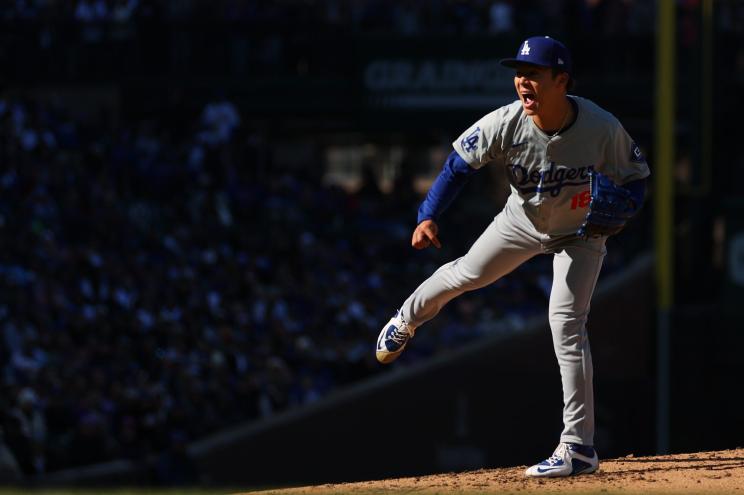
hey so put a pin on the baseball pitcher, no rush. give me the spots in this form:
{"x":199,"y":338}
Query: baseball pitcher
{"x":576,"y":177}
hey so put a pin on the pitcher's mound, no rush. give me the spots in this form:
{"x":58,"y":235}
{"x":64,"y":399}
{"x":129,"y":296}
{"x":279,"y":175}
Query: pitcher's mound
{"x":702,"y":472}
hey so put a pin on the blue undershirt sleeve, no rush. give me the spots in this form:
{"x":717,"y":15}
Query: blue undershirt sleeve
{"x":446,"y":186}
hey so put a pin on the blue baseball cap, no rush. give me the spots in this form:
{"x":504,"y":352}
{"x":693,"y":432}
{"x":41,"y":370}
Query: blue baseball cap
{"x":543,"y":51}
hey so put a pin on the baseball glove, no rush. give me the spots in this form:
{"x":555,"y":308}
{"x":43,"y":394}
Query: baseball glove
{"x":610,"y":208}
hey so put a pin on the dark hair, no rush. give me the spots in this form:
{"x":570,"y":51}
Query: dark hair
{"x":570,"y":83}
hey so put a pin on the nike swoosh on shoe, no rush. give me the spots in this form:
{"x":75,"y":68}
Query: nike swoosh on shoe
{"x":545,"y":470}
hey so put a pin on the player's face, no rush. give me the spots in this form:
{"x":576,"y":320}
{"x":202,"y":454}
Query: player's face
{"x":537,"y":88}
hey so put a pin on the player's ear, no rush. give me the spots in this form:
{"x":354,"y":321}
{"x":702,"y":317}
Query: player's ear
{"x":562,"y":79}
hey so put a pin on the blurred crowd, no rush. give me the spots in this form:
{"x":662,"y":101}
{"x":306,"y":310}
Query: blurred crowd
{"x":162,"y":280}
{"x":329,"y":39}
{"x":53,"y":40}
{"x":411,"y":17}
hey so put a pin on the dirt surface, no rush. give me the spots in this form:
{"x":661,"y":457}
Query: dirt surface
{"x":702,"y":472}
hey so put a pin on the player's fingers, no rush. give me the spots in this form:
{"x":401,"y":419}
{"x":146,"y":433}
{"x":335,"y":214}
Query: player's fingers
{"x":431,"y":233}
{"x":419,"y":242}
{"x":415,"y":239}
{"x":422,"y":244}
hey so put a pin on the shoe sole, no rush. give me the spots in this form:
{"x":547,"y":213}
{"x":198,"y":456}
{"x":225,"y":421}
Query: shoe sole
{"x":550,"y":474}
{"x":387,"y":357}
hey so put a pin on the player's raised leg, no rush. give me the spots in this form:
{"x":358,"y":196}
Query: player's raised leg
{"x":502,"y":247}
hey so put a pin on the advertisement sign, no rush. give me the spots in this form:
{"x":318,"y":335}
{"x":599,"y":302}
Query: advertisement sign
{"x":437,"y":83}
{"x":434,"y":74}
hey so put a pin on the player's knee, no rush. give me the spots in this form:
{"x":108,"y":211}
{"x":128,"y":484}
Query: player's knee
{"x":570,"y":322}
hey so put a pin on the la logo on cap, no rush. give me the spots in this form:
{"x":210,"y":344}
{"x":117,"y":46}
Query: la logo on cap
{"x":526,"y":48}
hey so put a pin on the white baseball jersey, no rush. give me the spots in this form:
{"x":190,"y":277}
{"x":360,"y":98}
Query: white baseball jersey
{"x":549,"y":175}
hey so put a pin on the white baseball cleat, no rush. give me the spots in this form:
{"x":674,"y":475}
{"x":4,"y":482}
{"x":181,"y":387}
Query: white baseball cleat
{"x":569,"y":459}
{"x":393,"y":339}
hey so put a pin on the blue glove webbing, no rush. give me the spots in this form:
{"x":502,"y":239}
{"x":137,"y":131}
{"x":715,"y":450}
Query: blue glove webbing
{"x":637,"y":190}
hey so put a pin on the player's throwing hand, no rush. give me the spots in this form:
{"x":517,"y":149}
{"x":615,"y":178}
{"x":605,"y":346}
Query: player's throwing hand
{"x":425,"y":235}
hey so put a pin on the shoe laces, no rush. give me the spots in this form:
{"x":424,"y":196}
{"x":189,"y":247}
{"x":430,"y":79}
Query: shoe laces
{"x":558,"y":455}
{"x":399,"y":336}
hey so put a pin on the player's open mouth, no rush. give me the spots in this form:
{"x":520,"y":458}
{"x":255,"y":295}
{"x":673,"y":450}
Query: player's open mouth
{"x":529,"y":100}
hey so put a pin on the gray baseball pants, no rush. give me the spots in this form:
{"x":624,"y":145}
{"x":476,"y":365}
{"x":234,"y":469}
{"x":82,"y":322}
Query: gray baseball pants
{"x":507,"y":242}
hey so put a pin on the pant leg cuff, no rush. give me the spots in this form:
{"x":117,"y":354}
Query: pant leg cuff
{"x":574,"y":439}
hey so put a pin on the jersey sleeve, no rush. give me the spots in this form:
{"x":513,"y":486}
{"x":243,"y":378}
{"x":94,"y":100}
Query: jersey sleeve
{"x":482,"y":142}
{"x":624,"y":161}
